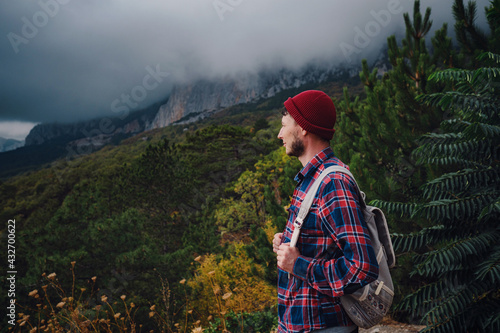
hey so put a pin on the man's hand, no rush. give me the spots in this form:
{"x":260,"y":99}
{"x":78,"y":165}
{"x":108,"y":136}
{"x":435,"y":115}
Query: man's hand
{"x":287,"y":256}
{"x":277,"y":241}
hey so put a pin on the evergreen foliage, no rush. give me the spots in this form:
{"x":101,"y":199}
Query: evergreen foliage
{"x":376,"y":135}
{"x":470,"y":37}
{"x":462,"y":249}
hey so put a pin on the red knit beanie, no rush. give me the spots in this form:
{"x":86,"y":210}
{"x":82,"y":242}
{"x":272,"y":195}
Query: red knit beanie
{"x":314,"y":111}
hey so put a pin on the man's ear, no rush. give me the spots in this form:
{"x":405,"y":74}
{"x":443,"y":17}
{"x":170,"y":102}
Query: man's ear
{"x":304,"y":132}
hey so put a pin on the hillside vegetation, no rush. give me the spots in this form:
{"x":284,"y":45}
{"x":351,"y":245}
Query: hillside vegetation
{"x":170,"y":231}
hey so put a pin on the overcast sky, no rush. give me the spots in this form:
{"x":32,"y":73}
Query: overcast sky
{"x":68,"y":60}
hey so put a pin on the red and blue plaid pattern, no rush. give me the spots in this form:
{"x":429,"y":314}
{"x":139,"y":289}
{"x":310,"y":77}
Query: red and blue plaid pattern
{"x":336,"y":255}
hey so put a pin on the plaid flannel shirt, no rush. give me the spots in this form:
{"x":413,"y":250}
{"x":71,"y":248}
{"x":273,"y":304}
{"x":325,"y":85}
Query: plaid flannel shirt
{"x":309,"y":299}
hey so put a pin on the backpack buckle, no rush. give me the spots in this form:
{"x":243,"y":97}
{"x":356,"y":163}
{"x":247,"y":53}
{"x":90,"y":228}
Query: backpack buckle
{"x":298,"y":223}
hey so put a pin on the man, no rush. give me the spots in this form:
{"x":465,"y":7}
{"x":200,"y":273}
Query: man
{"x":333,"y":255}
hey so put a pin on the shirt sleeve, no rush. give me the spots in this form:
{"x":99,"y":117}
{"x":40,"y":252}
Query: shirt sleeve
{"x":343,"y":221}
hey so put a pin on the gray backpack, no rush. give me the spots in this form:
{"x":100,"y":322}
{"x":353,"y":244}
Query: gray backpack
{"x":368,"y":305}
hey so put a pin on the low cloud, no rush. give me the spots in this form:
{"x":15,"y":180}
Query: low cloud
{"x":68,"y":60}
{"x":15,"y":129}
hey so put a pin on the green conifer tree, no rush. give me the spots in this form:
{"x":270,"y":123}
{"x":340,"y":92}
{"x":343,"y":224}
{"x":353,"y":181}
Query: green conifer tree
{"x":462,"y":248}
{"x":471,"y":39}
{"x":376,"y":135}
{"x":493,"y":16}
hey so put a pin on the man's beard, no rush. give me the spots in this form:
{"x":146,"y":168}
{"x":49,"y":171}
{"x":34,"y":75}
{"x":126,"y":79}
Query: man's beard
{"x":297,"y":148}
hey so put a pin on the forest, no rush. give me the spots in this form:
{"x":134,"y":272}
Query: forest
{"x":171,"y":230}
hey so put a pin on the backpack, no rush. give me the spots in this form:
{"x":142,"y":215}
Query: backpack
{"x":368,"y":305}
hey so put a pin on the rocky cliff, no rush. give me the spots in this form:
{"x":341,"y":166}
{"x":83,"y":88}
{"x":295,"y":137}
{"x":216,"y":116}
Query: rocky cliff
{"x":96,"y":132}
{"x":42,"y":133}
{"x":193,"y":101}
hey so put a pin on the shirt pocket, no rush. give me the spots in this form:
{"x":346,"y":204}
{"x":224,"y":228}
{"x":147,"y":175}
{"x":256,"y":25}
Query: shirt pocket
{"x":312,"y":223}
{"x":310,"y":233}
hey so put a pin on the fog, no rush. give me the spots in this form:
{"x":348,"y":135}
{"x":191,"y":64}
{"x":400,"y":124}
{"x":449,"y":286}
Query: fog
{"x":68,"y":60}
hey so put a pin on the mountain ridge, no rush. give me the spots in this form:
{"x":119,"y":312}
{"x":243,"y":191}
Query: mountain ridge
{"x":196,"y":100}
{"x":10,"y":144}
{"x":188,"y":102}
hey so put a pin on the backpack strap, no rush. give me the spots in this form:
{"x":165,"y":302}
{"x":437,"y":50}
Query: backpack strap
{"x":307,"y":202}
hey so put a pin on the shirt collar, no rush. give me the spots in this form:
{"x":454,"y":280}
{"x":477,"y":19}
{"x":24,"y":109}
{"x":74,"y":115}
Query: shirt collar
{"x":312,"y":166}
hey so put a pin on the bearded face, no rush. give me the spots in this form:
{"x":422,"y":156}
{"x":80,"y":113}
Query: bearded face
{"x":297,"y":147}
{"x":290,"y":135}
